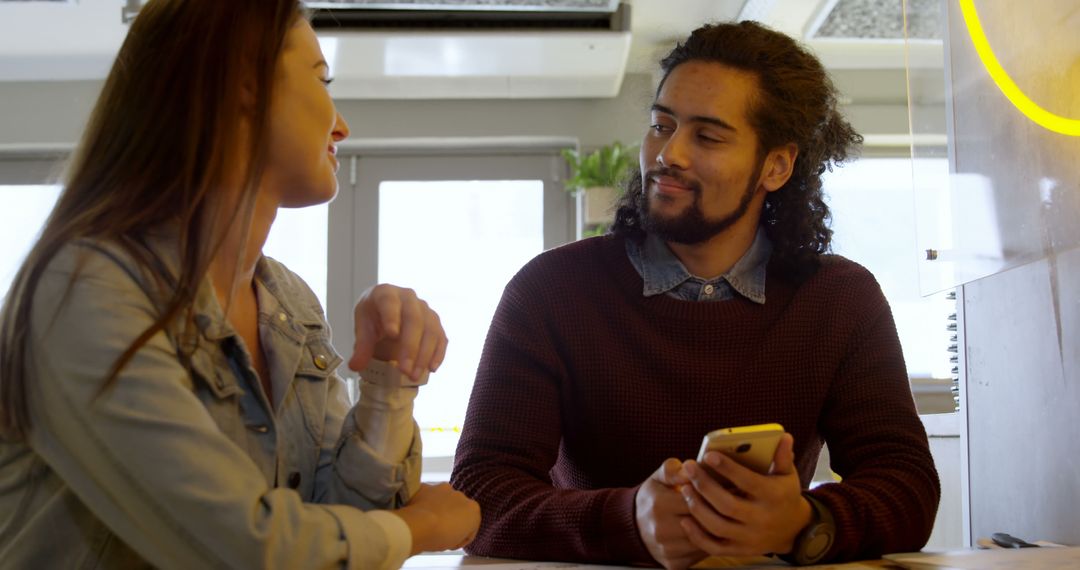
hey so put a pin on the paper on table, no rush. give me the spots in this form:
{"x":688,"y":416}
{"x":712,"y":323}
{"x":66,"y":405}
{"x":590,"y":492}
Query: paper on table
{"x":1003,"y":559}
{"x":568,"y":566}
{"x":458,"y":562}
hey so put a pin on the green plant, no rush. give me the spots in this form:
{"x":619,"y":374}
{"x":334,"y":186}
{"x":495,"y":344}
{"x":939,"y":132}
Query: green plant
{"x":593,"y":231}
{"x":605,"y":166}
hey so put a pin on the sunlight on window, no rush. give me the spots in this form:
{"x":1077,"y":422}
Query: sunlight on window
{"x":298,"y":239}
{"x":24,"y":213}
{"x":874,"y":224}
{"x":457,"y":243}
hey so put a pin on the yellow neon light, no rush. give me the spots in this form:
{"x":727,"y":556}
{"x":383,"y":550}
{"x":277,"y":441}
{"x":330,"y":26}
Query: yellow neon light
{"x":1008,"y":87}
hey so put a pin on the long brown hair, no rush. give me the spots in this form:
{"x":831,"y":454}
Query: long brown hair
{"x":796,"y":103}
{"x":162,"y":144}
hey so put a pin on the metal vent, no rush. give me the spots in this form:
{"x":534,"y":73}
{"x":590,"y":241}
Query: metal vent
{"x":369,"y":18}
{"x":954,"y":351}
{"x":353,"y":19}
{"x":481,"y":5}
{"x":453,"y":14}
{"x":880,"y":20}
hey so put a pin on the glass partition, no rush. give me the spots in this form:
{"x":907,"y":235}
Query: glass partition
{"x":1003,"y":196}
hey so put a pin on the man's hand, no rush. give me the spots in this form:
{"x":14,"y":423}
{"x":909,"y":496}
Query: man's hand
{"x":660,"y":508}
{"x":440,"y":518}
{"x":754,"y":515}
{"x":392,"y":323}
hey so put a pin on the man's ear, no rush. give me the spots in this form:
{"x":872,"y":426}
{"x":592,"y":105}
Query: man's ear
{"x":779,"y":164}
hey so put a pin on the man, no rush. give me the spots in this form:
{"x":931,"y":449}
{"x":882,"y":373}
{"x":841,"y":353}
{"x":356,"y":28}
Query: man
{"x":712,"y":304}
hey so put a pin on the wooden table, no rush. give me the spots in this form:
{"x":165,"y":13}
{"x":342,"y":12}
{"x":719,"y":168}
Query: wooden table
{"x":455,"y":561}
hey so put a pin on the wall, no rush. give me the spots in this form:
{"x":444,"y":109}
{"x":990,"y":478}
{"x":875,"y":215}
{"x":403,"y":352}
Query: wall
{"x":55,"y":112}
{"x":1023,"y":395}
{"x":52,"y":112}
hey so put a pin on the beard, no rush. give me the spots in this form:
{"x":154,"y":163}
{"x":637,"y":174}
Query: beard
{"x":691,"y":227}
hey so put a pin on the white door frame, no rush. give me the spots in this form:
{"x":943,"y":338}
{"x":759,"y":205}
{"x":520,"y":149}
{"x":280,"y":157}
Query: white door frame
{"x":353,"y":217}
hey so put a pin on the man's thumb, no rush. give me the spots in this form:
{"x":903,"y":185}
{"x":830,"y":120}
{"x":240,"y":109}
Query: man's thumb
{"x":784,"y":459}
{"x":671,"y":473}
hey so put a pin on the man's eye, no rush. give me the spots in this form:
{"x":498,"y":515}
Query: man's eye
{"x":326,"y":80}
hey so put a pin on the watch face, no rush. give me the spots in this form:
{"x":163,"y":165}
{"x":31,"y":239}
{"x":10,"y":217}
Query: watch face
{"x":817,"y":543}
{"x":812,"y":544}
{"x":816,"y":539}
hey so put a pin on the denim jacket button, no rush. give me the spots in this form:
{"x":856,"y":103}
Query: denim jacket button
{"x":282,"y":317}
{"x":294,"y":480}
{"x":320,"y":361}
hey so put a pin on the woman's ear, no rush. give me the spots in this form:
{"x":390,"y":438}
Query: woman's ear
{"x":248,"y":84}
{"x":779,"y":164}
{"x":247,"y":96}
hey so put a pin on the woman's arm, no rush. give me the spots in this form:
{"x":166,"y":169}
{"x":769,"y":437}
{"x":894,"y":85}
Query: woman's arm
{"x":146,"y":457}
{"x":371,"y":453}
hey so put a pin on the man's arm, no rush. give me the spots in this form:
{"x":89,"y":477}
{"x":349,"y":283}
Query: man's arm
{"x":511,"y":442}
{"x":889,"y":494}
{"x":888,"y":497}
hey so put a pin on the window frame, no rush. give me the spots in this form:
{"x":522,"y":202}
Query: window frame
{"x":33,"y":165}
{"x":353,"y":224}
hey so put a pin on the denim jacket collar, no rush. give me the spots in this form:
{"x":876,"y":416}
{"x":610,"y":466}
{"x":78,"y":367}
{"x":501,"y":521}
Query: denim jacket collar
{"x":278,"y":306}
{"x":292,"y":329}
{"x":661,"y":271}
{"x":282,"y":310}
{"x":275,"y":308}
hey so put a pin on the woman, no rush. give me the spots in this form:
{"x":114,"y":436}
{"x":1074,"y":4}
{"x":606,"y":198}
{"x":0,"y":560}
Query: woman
{"x":168,"y":393}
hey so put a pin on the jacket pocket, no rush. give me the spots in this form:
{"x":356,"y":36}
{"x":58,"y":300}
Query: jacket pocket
{"x":315,"y":371}
{"x":216,"y":386}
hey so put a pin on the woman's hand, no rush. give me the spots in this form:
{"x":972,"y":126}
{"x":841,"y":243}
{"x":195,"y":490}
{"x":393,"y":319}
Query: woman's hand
{"x":440,"y":518}
{"x":393,"y":324}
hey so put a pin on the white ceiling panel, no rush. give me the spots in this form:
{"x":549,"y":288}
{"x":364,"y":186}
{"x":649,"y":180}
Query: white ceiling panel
{"x":54,"y":40}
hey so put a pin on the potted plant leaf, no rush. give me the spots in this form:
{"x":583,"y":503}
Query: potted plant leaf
{"x":598,"y":176}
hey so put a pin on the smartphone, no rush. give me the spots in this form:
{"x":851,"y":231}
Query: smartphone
{"x":751,"y":446}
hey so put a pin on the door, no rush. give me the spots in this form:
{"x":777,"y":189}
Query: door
{"x":455,"y":228}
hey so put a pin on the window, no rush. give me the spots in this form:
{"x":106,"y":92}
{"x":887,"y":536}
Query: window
{"x":455,"y":228}
{"x":26,"y":207}
{"x":298,"y":239}
{"x":458,"y":251}
{"x":874,"y":225}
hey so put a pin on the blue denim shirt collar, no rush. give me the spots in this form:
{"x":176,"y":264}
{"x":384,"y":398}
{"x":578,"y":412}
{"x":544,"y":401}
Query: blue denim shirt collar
{"x":662,"y":272}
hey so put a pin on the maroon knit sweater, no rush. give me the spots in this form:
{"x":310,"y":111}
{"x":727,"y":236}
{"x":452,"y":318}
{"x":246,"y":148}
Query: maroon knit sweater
{"x":585,"y":387}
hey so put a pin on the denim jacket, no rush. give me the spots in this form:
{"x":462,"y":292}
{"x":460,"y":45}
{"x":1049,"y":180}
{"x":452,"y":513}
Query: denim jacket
{"x":182,"y":463}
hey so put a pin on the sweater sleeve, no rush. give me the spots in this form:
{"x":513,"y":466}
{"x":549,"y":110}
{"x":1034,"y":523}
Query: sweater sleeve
{"x":511,"y":441}
{"x":888,"y":496}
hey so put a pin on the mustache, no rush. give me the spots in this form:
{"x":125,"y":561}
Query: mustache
{"x":653,"y":173}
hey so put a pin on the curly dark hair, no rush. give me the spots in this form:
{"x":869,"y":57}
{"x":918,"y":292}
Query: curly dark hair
{"x":796,"y":103}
